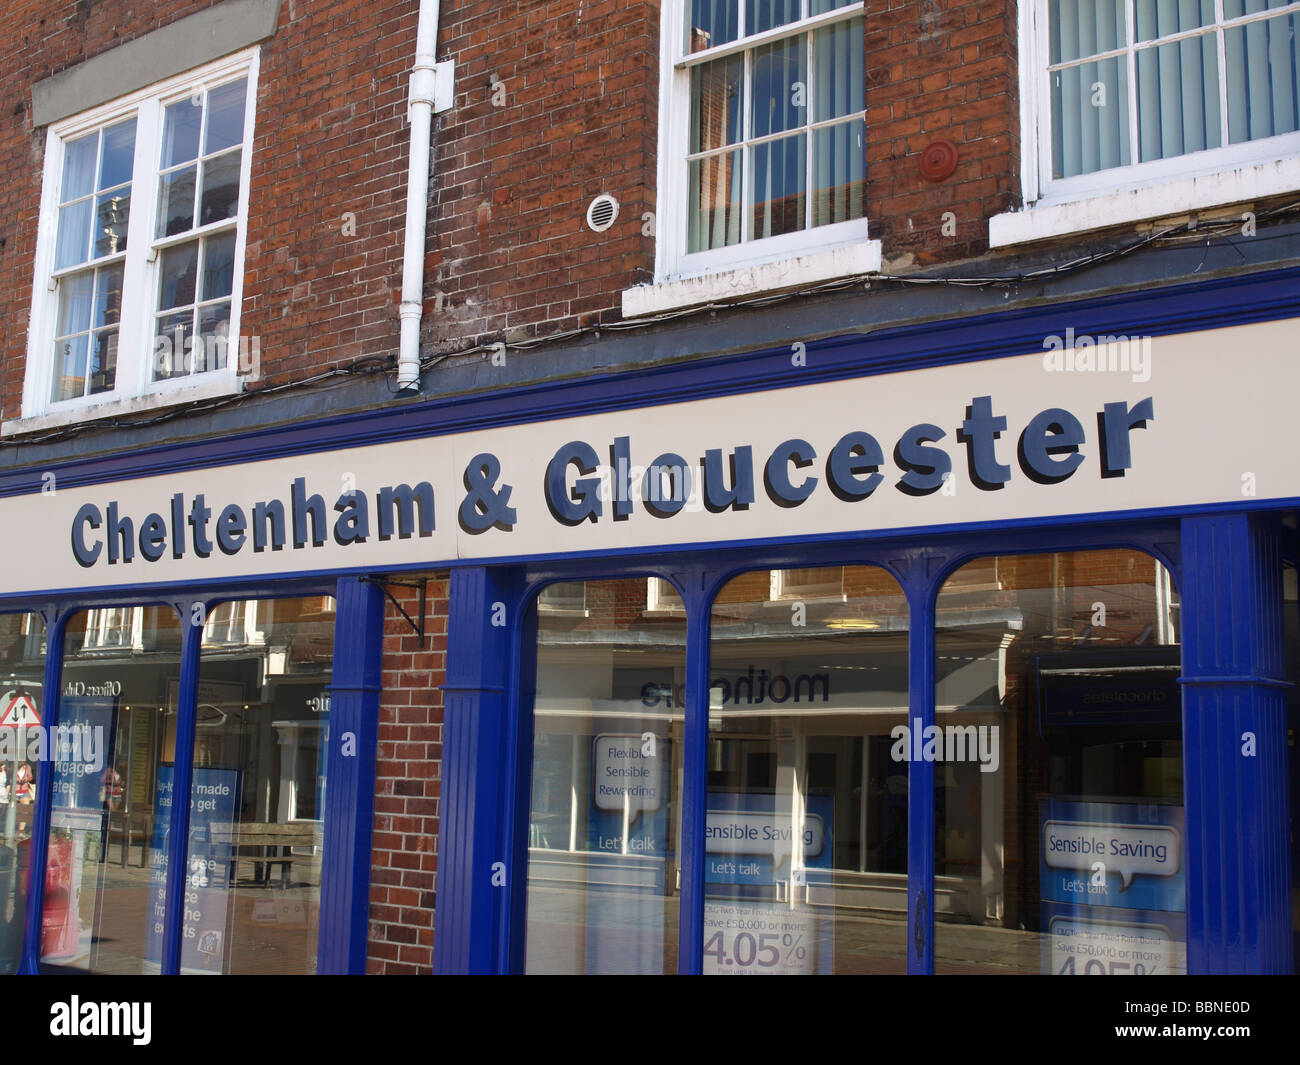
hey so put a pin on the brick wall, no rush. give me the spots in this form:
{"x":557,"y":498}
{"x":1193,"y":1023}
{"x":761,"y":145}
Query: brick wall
{"x":939,"y":69}
{"x":556,"y":103}
{"x":408,"y":785}
{"x":327,"y":195}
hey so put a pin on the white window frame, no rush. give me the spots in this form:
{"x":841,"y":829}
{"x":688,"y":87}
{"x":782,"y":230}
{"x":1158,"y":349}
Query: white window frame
{"x":125,"y":623}
{"x":549,"y":602}
{"x":790,"y":260}
{"x":661,"y":597}
{"x":785,"y":586}
{"x":134,"y":389}
{"x":1160,"y":188}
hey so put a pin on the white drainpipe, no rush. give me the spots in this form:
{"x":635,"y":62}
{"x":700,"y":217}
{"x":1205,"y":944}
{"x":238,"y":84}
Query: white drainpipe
{"x":431,"y":90}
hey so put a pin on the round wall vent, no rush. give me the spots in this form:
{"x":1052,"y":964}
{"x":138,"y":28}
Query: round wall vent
{"x":601,"y":212}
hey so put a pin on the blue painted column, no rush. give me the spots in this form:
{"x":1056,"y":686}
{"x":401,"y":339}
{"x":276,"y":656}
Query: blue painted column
{"x":1234,"y":680}
{"x":697,"y":595}
{"x":182,"y":777}
{"x":355,"y":685}
{"x":921,"y":591}
{"x":56,"y":627}
{"x":475,"y":873}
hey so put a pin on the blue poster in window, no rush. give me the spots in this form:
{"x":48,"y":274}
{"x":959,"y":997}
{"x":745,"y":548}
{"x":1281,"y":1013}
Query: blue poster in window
{"x":1113,"y":886}
{"x":1128,"y":855}
{"x":82,"y":751}
{"x":214,"y":806}
{"x":747,"y":838}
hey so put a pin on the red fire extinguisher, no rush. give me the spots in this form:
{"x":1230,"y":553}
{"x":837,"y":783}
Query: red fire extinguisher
{"x":59,"y":922}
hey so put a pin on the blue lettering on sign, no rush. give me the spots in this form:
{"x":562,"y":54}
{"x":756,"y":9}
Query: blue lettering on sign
{"x":402,"y":510}
{"x":1049,"y":450}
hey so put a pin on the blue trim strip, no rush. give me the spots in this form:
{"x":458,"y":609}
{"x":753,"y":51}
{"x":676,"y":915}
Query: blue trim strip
{"x":921,"y":587}
{"x":56,"y":628}
{"x":474,"y":879}
{"x":1249,"y":679}
{"x":182,"y":777}
{"x":1238,"y":854}
{"x":697,"y":594}
{"x":1264,"y":296}
{"x":355,"y":685}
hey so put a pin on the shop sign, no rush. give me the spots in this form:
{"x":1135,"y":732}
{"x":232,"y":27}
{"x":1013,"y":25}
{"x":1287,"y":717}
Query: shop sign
{"x":989,"y":441}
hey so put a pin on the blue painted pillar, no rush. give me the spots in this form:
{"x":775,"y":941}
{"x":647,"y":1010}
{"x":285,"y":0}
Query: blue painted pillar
{"x":1234,"y":680}
{"x":355,"y":685}
{"x":56,"y":627}
{"x":921,"y":591}
{"x":182,"y":777}
{"x":697,"y":595}
{"x":476,"y":872}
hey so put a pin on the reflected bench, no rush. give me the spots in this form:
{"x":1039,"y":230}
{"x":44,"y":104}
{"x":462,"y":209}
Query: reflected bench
{"x":265,"y":844}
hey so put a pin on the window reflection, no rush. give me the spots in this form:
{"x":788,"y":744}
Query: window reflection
{"x":603,"y":822}
{"x":1067,"y":857}
{"x":22,"y":708}
{"x":806,"y":834}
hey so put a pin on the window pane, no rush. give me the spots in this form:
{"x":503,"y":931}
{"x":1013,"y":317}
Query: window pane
{"x":103,"y":361}
{"x":820,"y":7}
{"x":801,"y":708}
{"x":73,"y":243}
{"x":79,"y":167}
{"x":218,"y":266}
{"x":1237,"y":8}
{"x":712,"y":22}
{"x":839,"y":172}
{"x":108,"y":296}
{"x":108,"y":835}
{"x":220,"y":188}
{"x":181,"y":123}
{"x":225,"y":116}
{"x":1090,"y":118}
{"x":1178,"y":98}
{"x":837,"y":70}
{"x":1058,"y":747}
{"x":22,"y":649}
{"x":176,"y":202}
{"x":112,"y":213}
{"x":763,"y":15}
{"x":714,"y":209}
{"x":69,"y":368}
{"x":173,"y":345}
{"x":76,"y":293}
{"x":214,"y":328}
{"x":119,"y":155}
{"x":1159,"y":18}
{"x":179,"y":272}
{"x":779,"y":86}
{"x":1263,"y":60}
{"x":778,"y":191}
{"x":257,"y":807}
{"x":1081,"y":28}
{"x":604,"y":818}
{"x":715,"y":103}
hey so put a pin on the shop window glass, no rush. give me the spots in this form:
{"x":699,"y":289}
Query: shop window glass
{"x":22,"y":757}
{"x":113,"y":759}
{"x":1291,"y":626}
{"x":605,"y":810}
{"x":1059,"y":831}
{"x":253,"y":870}
{"x":802,"y":699}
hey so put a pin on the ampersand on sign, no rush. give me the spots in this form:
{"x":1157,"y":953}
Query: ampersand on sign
{"x":485,"y":507}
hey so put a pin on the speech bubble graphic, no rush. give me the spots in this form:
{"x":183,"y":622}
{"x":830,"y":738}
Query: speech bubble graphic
{"x":624,"y":777}
{"x":756,"y":832}
{"x":1127,"y":850}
